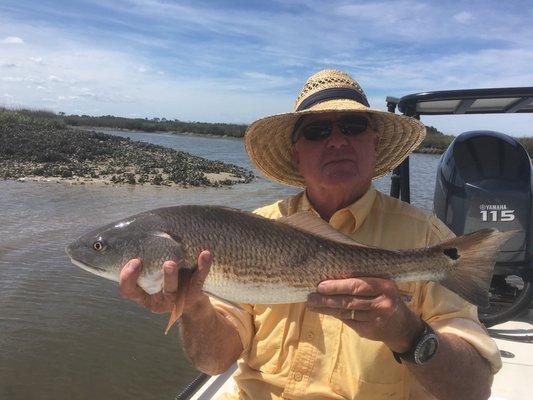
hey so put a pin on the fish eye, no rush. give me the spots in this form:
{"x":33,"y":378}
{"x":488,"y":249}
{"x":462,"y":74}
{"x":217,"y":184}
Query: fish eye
{"x":98,"y":246}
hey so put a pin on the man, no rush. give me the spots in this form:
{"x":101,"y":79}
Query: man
{"x":359,"y":338}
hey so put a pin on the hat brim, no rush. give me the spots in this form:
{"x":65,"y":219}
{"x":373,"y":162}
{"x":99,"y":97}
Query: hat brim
{"x":268,"y":140}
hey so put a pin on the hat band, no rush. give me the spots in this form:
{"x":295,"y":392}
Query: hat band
{"x":330,"y":94}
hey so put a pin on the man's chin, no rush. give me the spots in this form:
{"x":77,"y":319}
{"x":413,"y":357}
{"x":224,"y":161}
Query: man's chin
{"x":340,"y":178}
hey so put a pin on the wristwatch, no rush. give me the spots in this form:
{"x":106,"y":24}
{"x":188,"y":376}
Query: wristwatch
{"x":423,"y":349}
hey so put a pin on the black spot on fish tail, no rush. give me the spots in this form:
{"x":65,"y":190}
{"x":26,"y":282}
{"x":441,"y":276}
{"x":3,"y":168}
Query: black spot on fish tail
{"x":476,"y":254}
{"x":452,"y":253}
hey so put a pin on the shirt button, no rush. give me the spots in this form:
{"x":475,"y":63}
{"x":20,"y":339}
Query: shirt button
{"x":310,"y":335}
{"x":297,"y":376}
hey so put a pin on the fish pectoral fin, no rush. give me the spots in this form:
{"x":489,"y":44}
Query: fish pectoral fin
{"x":177,"y":308}
{"x":175,"y":315}
{"x":309,"y":222}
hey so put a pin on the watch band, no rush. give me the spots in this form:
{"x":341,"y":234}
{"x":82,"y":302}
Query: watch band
{"x":417,"y":354}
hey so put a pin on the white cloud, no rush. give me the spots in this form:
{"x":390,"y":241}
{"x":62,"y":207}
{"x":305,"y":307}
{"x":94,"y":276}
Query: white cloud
{"x":13,"y":40}
{"x":12,"y":79}
{"x":62,"y":98}
{"x":37,"y":60}
{"x":268,"y":79}
{"x":53,"y":78}
{"x":463,"y":17}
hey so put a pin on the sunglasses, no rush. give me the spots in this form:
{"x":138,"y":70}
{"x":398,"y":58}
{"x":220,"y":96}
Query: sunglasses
{"x":321,"y":130}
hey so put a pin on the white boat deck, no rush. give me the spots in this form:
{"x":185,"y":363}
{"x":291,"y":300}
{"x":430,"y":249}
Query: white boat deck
{"x":513,"y":382}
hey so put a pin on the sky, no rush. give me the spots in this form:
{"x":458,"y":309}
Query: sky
{"x":237,"y":61}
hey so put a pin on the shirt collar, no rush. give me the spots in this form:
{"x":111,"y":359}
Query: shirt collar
{"x":348,"y":219}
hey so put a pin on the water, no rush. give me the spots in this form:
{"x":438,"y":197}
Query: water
{"x":67,"y":334}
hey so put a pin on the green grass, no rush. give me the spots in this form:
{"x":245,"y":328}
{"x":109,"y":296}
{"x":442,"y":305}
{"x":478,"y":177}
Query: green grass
{"x":437,"y":142}
{"x":44,"y":118}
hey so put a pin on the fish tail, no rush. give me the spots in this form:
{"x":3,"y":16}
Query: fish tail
{"x":473,"y":257}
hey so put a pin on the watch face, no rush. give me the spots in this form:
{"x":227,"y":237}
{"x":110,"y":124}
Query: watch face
{"x":426,"y":349}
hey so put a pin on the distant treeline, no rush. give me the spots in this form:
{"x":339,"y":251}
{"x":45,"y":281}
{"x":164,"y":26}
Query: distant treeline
{"x":435,"y":141}
{"x":156,"y":124}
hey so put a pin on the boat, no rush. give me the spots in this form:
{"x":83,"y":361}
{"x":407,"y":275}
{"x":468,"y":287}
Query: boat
{"x":484,"y":179}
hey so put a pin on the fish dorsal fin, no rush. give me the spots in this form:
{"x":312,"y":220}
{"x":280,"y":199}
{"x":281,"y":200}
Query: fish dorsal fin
{"x":309,"y":222}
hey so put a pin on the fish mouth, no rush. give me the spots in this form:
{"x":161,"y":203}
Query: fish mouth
{"x":86,"y":267}
{"x":78,"y":263}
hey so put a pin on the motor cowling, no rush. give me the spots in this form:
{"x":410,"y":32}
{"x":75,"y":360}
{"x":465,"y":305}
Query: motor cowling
{"x":484,"y":181}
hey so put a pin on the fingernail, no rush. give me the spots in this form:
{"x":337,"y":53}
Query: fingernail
{"x":207,"y":257}
{"x":133,"y":265}
{"x":322,"y":286}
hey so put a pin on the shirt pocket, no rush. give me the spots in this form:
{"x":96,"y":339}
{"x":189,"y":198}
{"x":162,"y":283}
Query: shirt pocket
{"x":267,"y":343}
{"x":366,"y":369}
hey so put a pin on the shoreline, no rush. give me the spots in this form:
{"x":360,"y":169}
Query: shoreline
{"x":215,"y":180}
{"x":104,"y":129}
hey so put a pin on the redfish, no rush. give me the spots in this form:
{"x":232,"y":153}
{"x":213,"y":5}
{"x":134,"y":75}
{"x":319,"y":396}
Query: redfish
{"x":262,"y":261}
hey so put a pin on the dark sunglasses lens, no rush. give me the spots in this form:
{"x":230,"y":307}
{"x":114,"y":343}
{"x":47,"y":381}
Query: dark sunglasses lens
{"x":353,"y":127}
{"x":316,"y":131}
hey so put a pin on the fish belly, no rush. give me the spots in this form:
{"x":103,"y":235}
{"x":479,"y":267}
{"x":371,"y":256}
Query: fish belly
{"x":257,"y":294}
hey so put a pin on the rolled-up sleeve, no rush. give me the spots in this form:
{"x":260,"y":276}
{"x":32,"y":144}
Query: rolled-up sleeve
{"x":240,"y":316}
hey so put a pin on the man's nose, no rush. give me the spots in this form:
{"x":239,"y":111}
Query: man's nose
{"x":337,"y":138}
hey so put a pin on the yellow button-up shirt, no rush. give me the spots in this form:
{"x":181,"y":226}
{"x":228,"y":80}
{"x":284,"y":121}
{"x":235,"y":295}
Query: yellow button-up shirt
{"x":293,"y":353}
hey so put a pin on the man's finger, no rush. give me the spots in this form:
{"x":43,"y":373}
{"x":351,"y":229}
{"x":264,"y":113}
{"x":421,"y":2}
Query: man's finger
{"x":346,"y":314}
{"x":369,"y":287}
{"x":128,"y":280}
{"x":204,"y":265}
{"x":204,"y":262}
{"x":199,"y":275}
{"x":339,"y":301}
{"x":170,"y":277}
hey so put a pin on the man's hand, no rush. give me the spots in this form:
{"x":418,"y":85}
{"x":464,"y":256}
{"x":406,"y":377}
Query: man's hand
{"x":163,"y":301}
{"x":372,"y":307}
{"x":210,"y":340}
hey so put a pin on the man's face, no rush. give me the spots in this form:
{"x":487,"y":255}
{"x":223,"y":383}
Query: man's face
{"x":338,"y":160}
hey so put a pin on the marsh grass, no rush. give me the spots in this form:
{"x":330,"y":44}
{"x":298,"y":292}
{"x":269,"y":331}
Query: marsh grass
{"x":44,"y":118}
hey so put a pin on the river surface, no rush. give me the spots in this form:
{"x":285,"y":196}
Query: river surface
{"x":67,"y":334}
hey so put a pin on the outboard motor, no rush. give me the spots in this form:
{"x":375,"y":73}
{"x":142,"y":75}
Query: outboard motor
{"x":484,"y":181}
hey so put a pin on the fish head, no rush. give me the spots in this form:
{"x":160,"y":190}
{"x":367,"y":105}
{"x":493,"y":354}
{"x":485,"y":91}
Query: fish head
{"x":105,"y":250}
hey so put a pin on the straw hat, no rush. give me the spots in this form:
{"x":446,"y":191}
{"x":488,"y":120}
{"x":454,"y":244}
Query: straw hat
{"x":268,"y":140}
